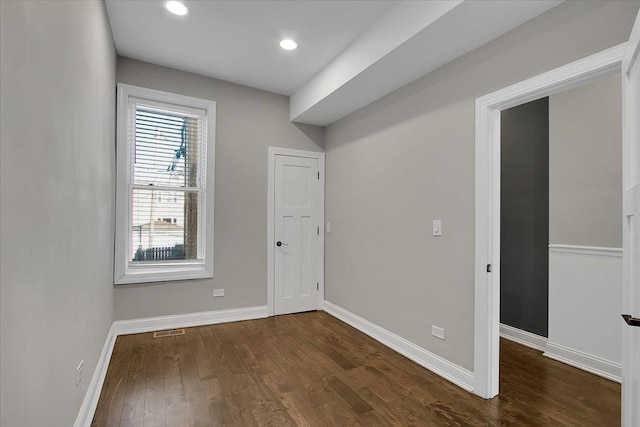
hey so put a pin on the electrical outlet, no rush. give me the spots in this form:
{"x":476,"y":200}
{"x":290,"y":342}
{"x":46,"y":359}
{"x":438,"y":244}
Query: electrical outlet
{"x":218,"y":293}
{"x":79,"y":370}
{"x":437,"y":332}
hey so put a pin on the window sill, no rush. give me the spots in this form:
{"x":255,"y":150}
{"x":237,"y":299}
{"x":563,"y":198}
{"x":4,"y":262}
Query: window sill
{"x":163,"y":274}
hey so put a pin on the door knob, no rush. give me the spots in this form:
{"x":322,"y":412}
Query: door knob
{"x":279,"y":243}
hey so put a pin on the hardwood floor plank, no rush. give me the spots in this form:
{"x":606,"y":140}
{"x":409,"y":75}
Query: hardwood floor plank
{"x":383,"y":408}
{"x":327,"y":416}
{"x":218,"y":408}
{"x":176,"y":410}
{"x":232,"y":358}
{"x":171,"y":364}
{"x":355,"y":402}
{"x":200,"y":354}
{"x":154,"y":361}
{"x":154,"y":403}
{"x":133,"y":405}
{"x":299,"y":409}
{"x":198,"y":409}
{"x":246,"y":400}
{"x":154,"y":394}
{"x":373,"y":419}
{"x":310,"y":369}
{"x":109,"y":410}
{"x":132,"y":422}
{"x":188,"y":369}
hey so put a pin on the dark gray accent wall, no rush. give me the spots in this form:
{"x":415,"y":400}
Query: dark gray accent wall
{"x":524,"y":239}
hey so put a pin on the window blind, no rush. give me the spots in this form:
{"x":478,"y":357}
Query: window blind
{"x":167,"y":151}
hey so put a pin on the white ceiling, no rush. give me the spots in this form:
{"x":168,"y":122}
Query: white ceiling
{"x":238,"y":41}
{"x":411,"y":40}
{"x":349,"y":53}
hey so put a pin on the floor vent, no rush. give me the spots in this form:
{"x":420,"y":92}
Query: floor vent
{"x":171,"y":333}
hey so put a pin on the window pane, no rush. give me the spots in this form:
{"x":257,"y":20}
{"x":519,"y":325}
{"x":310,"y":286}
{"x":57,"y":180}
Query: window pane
{"x":166,"y":148}
{"x":164,"y":225}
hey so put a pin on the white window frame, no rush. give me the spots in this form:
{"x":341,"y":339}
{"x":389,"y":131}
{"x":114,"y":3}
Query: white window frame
{"x":124,"y":271}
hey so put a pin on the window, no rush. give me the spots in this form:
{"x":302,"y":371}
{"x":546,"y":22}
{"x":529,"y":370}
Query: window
{"x":165,"y":160}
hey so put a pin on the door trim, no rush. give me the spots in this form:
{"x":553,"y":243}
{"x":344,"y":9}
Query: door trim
{"x":487,"y":195}
{"x":273,"y":152}
{"x":631,"y":198}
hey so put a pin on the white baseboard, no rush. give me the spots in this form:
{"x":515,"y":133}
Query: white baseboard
{"x":148,"y":324}
{"x":438,"y":365}
{"x":90,"y":402}
{"x":584,"y":361}
{"x":525,"y":338}
{"x":125,"y":327}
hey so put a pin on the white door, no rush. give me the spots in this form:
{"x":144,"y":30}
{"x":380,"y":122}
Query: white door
{"x":631,"y":232}
{"x":296,"y":234}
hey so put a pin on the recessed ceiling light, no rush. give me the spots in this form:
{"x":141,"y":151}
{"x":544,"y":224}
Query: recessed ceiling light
{"x":176,"y":7}
{"x":288,"y":44}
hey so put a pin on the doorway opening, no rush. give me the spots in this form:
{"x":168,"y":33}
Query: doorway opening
{"x":488,"y":191}
{"x":561,"y":246}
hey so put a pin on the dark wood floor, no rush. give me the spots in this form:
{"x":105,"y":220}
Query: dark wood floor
{"x":310,"y":369}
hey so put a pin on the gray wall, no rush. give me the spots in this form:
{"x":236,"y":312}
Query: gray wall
{"x":585,"y":165}
{"x":524,"y":217}
{"x":56,"y":204}
{"x":408,"y":158}
{"x":585,"y":188}
{"x":248,"y":122}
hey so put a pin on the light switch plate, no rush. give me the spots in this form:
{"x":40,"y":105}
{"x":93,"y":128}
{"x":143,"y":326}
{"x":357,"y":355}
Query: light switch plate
{"x":437,"y":227}
{"x":218,"y":293}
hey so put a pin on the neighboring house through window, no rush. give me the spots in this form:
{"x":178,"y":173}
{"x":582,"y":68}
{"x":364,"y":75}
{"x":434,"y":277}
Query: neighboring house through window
{"x":165,"y":159}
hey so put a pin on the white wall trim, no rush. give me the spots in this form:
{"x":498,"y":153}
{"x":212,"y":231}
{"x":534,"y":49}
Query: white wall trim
{"x":273,"y":152}
{"x":633,"y":48}
{"x":459,"y":376}
{"x":586,"y":250}
{"x":149,"y":324}
{"x":487,"y":198}
{"x":581,"y":279}
{"x":124,"y":271}
{"x":587,"y":362}
{"x":631,"y":212}
{"x":90,"y":402}
{"x":522,"y":337}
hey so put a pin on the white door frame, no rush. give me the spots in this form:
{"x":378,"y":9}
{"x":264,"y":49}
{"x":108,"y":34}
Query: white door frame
{"x":271,"y":283}
{"x":631,"y":192}
{"x":487,"y":178}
